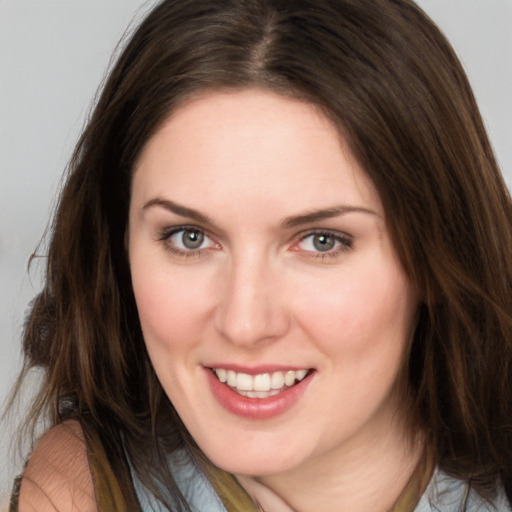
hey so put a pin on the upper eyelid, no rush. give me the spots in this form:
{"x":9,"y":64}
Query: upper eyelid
{"x":169,"y":219}
{"x":319,"y":231}
{"x":165,"y":234}
{"x":171,"y":230}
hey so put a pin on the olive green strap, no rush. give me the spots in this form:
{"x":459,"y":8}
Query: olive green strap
{"x":15,"y":495}
{"x":113,"y":485}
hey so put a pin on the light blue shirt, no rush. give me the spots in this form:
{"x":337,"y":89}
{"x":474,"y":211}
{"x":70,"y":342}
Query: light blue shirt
{"x":447,"y":494}
{"x":443,"y":494}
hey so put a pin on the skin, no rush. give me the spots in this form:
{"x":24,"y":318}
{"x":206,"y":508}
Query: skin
{"x":57,"y":476}
{"x":259,"y":292}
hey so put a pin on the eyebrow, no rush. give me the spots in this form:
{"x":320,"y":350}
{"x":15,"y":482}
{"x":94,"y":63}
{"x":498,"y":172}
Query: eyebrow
{"x":178,"y":209}
{"x":328,"y":213}
{"x":288,"y":222}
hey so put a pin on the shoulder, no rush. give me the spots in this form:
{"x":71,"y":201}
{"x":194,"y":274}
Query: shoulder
{"x":446,"y":494}
{"x":57,"y":476}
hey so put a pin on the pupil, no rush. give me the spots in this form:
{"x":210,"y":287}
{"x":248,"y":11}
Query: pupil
{"x":192,"y":239}
{"x":323,"y":242}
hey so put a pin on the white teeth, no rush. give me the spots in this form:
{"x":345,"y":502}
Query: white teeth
{"x":300,"y":374}
{"x":222,"y":375}
{"x":259,"y":394}
{"x":261,"y":385}
{"x":262,"y":382}
{"x":277,"y":380}
{"x":244,"y":382}
{"x":289,"y":378}
{"x":231,"y":380}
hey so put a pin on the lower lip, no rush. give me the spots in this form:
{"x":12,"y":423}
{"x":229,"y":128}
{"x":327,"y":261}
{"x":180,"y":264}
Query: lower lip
{"x":256,"y":408}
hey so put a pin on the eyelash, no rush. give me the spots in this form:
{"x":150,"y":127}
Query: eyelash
{"x":344,"y":243}
{"x":166,"y":234}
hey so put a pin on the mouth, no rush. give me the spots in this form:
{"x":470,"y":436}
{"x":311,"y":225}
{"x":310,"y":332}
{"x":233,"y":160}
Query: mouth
{"x":261,"y":385}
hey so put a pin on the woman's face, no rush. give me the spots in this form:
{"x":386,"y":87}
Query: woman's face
{"x":275,"y":311}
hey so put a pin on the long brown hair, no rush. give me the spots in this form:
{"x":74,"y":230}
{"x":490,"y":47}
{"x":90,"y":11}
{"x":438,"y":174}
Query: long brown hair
{"x":391,"y":82}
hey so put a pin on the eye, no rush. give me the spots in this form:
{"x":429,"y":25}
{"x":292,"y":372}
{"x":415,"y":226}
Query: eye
{"x":324,"y":243}
{"x":187,"y":240}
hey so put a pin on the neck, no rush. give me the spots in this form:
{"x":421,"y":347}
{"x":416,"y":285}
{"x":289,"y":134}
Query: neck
{"x":360,"y":475}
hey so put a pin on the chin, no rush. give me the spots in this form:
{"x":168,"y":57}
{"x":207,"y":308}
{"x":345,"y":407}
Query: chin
{"x":255,"y":462}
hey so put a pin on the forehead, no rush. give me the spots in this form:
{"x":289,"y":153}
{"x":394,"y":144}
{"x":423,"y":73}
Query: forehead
{"x":251,"y":146}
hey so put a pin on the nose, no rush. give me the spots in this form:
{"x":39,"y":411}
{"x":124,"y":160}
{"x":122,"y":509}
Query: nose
{"x":251,"y":309}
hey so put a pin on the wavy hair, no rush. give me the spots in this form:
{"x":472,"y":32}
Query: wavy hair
{"x":388,"y":78}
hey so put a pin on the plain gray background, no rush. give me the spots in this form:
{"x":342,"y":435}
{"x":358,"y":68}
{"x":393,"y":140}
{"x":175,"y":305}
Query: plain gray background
{"x":53,"y":55}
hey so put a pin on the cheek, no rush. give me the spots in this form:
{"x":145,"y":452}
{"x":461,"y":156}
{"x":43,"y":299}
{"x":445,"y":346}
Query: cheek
{"x":355,"y":311}
{"x":171,"y":306}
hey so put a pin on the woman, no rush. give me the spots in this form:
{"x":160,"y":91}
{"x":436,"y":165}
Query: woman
{"x":279,"y":273}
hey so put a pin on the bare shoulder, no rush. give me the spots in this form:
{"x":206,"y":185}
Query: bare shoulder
{"x":58,"y":477}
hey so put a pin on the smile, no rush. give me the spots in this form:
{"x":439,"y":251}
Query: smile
{"x":261,"y":385}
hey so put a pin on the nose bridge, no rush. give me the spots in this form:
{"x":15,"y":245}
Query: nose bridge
{"x":251,"y":308}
